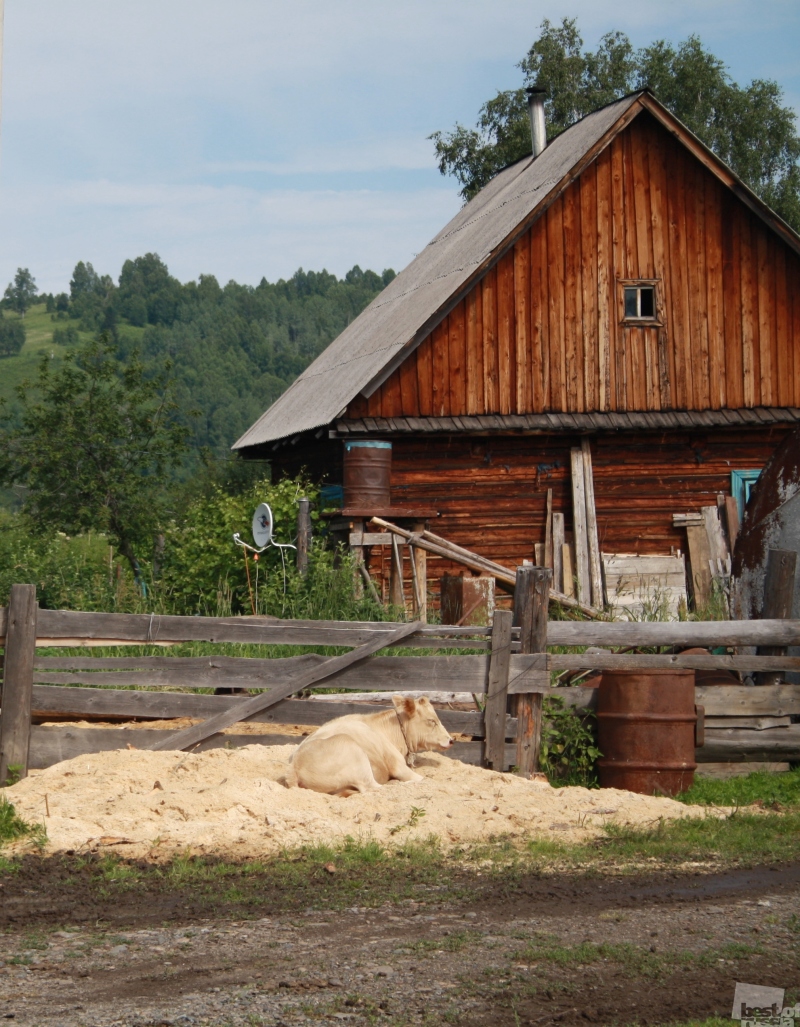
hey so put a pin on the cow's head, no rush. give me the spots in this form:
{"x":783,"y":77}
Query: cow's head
{"x":421,"y":726}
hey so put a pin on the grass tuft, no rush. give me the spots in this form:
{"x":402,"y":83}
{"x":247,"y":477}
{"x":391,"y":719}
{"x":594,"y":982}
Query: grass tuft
{"x":772,"y":791}
{"x":12,"y":826}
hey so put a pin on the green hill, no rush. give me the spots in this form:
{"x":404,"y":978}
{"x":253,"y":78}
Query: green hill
{"x":233,"y":349}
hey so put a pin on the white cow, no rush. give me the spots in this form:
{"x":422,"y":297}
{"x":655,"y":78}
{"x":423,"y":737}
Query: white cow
{"x":362,"y":751}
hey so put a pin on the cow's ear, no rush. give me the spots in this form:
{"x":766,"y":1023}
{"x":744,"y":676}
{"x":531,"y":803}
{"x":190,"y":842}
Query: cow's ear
{"x":424,"y":701}
{"x":409,"y":707}
{"x":398,"y":701}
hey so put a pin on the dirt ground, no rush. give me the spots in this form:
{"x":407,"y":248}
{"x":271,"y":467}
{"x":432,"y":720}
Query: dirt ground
{"x":562,"y":949}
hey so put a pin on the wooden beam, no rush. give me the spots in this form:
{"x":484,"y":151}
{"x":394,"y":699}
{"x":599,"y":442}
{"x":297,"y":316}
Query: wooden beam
{"x":681,"y":633}
{"x":494,"y":713}
{"x":530,"y":613}
{"x":192,"y":735}
{"x":20,"y":650}
{"x":595,"y":572}
{"x":579,"y":527}
{"x":419,"y":567}
{"x":699,"y":563}
{"x":558,"y":545}
{"x":303,"y":534}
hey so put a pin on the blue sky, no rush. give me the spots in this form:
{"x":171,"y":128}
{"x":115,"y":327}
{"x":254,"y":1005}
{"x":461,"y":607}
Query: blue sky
{"x":252,"y":137}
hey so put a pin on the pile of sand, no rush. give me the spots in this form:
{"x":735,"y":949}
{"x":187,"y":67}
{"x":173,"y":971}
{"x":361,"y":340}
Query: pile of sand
{"x":232,"y":802}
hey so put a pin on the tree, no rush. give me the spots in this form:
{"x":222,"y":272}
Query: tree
{"x":12,"y":337}
{"x":749,"y":127}
{"x":94,"y":443}
{"x":21,"y":293}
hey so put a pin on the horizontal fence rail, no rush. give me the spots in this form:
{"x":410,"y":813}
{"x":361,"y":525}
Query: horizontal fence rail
{"x":743,"y":723}
{"x":69,"y":628}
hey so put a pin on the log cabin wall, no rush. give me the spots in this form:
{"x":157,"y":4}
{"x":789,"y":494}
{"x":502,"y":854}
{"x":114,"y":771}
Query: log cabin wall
{"x":491,"y":490}
{"x":544,"y":329}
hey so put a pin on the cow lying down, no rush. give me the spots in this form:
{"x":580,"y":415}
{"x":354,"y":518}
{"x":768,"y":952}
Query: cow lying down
{"x":363,"y":751}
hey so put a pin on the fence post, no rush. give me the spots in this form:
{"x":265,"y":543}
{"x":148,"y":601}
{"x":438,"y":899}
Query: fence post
{"x":15,"y":714}
{"x":303,"y":534}
{"x":494,"y":712}
{"x":531,"y":597}
{"x":777,"y":605}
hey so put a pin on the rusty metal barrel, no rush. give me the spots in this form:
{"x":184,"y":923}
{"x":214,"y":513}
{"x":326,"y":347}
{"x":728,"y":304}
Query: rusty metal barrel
{"x":646,"y":731}
{"x":367,"y":474}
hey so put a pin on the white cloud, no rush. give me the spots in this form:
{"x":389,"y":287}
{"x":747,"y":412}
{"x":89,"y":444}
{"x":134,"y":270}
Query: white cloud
{"x":250,"y":137}
{"x":228,"y":231}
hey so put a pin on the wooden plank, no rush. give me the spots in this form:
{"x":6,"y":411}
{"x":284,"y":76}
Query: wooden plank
{"x":764,"y":275}
{"x":474,"y":353}
{"x":491,"y":400}
{"x":659,"y":215}
{"x":588,"y":327}
{"x":50,"y":701}
{"x":20,"y":650}
{"x":619,"y":270}
{"x":303,"y":534}
{"x":699,"y":557}
{"x":595,"y":573}
{"x":741,"y":701}
{"x":51,"y":745}
{"x":497,"y":691}
{"x":558,"y":545}
{"x":539,"y":323}
{"x":522,"y":318}
{"x":548,"y":529}
{"x":409,"y":392}
{"x":458,"y":356}
{"x":419,"y":565}
{"x":742,"y":745}
{"x":191,"y":736}
{"x":606,"y":322}
{"x":568,"y":569}
{"x":697,"y":279}
{"x":424,"y":360}
{"x":506,"y":335}
{"x":556,"y":299}
{"x":749,"y":723}
{"x":714,"y":290}
{"x":579,"y":527}
{"x":573,"y":307}
{"x":531,"y":596}
{"x":684,"y":633}
{"x":742,"y":338}
{"x":778,"y":602}
{"x":370,"y":538}
{"x":681,"y":315}
{"x":440,"y":380}
{"x":732,"y":520}
{"x":717,"y":544}
{"x":666,"y":661}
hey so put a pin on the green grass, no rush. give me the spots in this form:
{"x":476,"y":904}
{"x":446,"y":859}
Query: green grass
{"x":39,"y":328}
{"x":370,"y":874}
{"x":762,"y":789}
{"x":12,"y":827}
{"x":637,"y":961}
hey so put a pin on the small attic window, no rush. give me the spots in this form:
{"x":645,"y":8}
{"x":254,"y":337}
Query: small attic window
{"x":640,"y":301}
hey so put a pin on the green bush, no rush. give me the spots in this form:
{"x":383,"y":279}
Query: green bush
{"x":78,"y":572}
{"x":569,"y":750}
{"x":205,"y":572}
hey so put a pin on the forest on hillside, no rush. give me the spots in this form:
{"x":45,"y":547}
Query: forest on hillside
{"x":232,"y":349}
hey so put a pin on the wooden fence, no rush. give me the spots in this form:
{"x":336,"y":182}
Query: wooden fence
{"x":509,"y":666}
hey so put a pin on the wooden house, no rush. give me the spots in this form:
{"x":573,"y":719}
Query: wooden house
{"x":622,"y":286}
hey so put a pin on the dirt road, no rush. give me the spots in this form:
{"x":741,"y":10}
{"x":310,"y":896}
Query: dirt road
{"x":555,"y":950}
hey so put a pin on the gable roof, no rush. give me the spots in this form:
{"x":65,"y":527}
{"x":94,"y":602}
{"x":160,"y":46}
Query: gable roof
{"x":387,"y":331}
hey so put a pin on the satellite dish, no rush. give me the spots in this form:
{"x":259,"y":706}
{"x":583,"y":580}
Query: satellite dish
{"x":262,"y":525}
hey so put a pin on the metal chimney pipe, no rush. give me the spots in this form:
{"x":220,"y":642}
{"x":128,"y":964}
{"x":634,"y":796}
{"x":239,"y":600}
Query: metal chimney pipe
{"x":536,"y":97}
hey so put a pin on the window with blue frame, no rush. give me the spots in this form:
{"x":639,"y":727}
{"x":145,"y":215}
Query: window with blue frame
{"x":741,"y":483}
